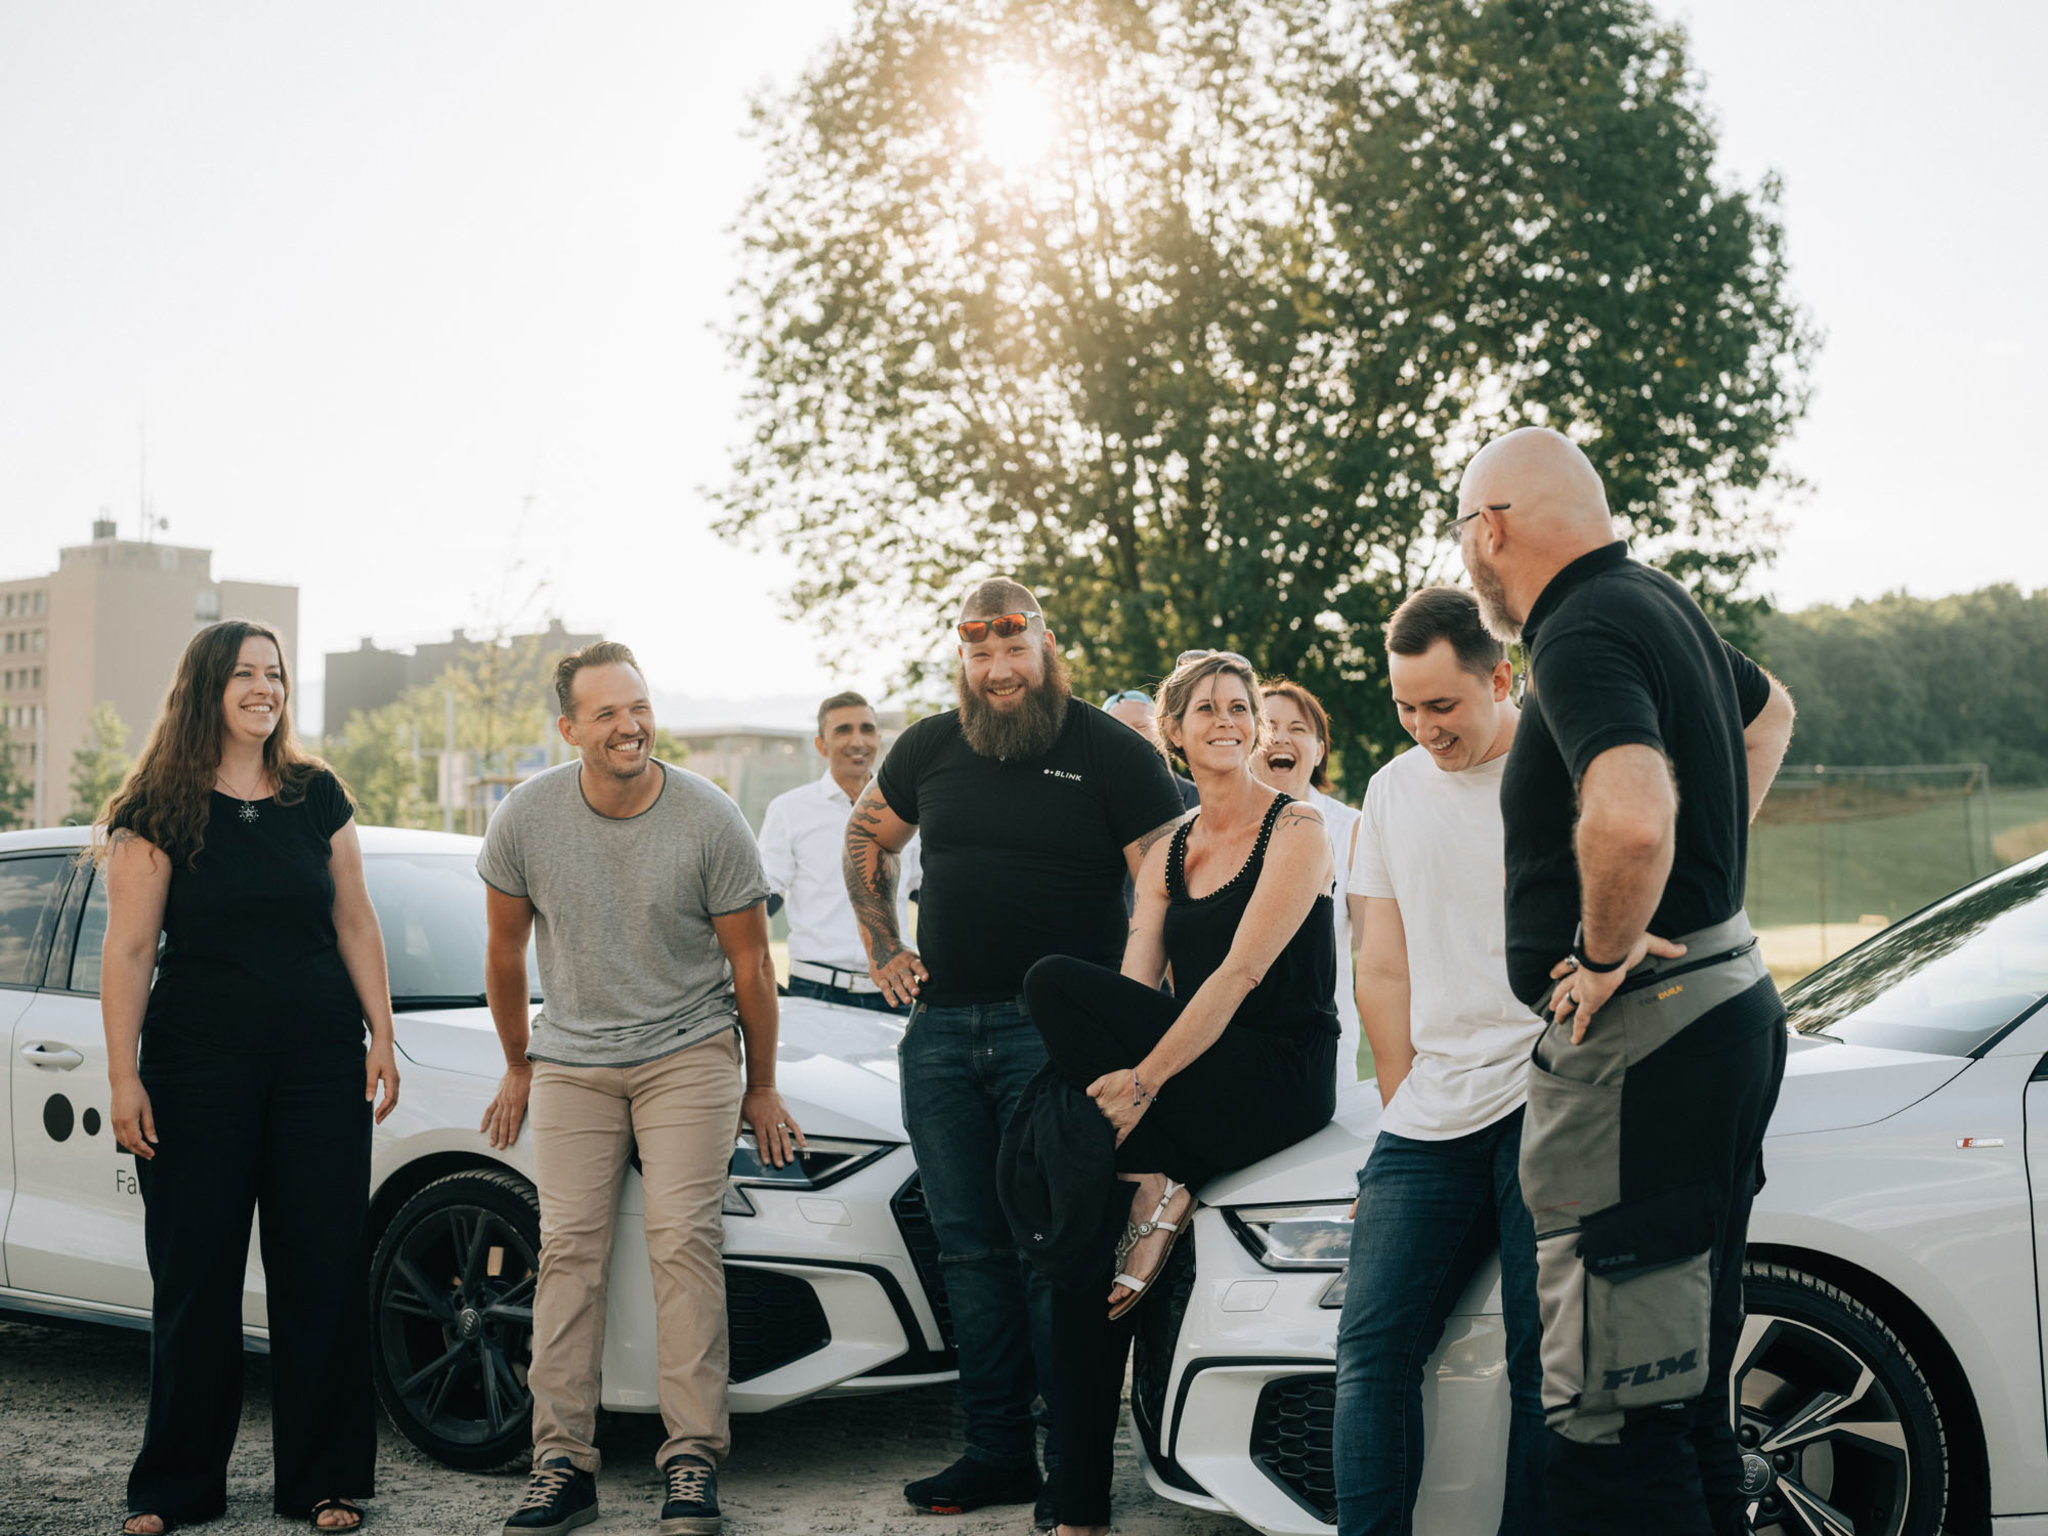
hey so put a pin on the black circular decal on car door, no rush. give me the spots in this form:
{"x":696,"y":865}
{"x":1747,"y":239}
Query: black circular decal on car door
{"x":91,"y":1121}
{"x":57,"y":1117}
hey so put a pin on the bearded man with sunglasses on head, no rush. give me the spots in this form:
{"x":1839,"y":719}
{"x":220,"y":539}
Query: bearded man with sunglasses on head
{"x":1033,"y":808}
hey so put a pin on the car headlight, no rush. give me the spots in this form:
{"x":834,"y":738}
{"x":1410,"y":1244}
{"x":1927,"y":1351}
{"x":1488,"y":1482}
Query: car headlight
{"x":824,"y":1161}
{"x":1296,"y":1237}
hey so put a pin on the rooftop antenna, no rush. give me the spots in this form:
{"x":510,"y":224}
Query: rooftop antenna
{"x":150,"y":521}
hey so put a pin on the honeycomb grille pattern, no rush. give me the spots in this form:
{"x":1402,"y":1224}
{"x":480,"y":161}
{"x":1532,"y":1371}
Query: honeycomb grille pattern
{"x":914,"y":1221}
{"x":1291,"y":1440}
{"x":771,"y":1320}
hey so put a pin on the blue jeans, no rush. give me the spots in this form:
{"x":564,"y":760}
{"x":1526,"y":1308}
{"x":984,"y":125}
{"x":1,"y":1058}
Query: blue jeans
{"x":1429,"y":1212}
{"x":874,"y":1002}
{"x":963,"y":1070}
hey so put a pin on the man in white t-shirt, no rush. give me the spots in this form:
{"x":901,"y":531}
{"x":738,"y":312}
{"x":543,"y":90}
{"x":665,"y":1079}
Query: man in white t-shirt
{"x":1450,"y":1048}
{"x":803,"y":841}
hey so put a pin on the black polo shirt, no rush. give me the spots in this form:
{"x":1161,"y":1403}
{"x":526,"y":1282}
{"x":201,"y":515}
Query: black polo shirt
{"x":1620,"y":654}
{"x":1022,"y":859}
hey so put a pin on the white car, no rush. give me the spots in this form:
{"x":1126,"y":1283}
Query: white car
{"x":831,"y":1268}
{"x":1889,"y":1380}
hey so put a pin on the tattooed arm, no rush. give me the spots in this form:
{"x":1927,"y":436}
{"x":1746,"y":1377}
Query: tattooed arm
{"x":1135,"y":850}
{"x":875,"y":835}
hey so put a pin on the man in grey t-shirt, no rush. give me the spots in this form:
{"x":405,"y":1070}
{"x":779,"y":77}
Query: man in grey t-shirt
{"x":643,"y":889}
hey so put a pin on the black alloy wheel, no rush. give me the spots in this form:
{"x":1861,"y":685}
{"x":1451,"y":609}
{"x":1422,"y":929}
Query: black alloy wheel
{"x":451,"y":1288}
{"x":1839,"y":1432}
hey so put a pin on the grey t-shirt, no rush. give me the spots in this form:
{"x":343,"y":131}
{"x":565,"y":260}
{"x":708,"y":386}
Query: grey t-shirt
{"x":629,"y":964}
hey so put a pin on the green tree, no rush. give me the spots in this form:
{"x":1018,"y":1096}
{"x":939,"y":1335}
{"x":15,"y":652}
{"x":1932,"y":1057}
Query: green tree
{"x":1190,"y":312}
{"x":17,"y":788}
{"x":98,"y":769}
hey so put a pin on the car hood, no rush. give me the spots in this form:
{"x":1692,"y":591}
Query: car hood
{"x":836,"y":1066}
{"x":1828,"y":1086}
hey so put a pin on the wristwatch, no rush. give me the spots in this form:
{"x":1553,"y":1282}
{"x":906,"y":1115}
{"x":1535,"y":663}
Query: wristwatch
{"x":1585,"y":961}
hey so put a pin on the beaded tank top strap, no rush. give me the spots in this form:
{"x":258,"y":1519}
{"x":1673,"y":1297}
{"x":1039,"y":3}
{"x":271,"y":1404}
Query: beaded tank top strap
{"x":1280,"y":803}
{"x":1177,"y":861}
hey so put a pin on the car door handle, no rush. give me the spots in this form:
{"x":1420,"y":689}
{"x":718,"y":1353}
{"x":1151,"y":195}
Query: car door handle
{"x":41,"y":1053}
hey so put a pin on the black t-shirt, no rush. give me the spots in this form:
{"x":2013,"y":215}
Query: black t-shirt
{"x":1022,"y":859}
{"x":1619,"y":654}
{"x":250,"y":961}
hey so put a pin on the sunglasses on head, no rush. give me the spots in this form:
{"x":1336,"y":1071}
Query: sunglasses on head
{"x":1002,"y":626}
{"x":1187,"y":656}
{"x":1137,"y":695}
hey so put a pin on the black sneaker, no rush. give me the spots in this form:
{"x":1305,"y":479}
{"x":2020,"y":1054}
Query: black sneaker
{"x":970,"y":1484}
{"x":559,"y":1497}
{"x":689,"y":1505}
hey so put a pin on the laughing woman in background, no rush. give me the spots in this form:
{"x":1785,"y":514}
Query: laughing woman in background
{"x":1296,"y":761}
{"x":253,"y":1091}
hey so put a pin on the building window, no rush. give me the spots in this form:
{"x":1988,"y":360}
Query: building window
{"x":41,"y":597}
{"x":42,"y":639}
{"x":206,"y":605}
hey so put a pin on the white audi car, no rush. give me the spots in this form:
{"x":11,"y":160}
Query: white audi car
{"x":832,"y":1275}
{"x":1890,"y":1377}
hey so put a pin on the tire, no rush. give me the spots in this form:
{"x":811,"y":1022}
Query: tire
{"x":451,"y":1298}
{"x":1835,"y":1420}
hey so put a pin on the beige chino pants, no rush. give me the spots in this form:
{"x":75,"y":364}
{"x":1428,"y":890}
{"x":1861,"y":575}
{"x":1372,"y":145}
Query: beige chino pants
{"x":683,"y":1111}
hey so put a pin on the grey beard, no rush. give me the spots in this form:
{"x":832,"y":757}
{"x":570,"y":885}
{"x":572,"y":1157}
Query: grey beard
{"x":1493,"y":603}
{"x":1027,"y":731}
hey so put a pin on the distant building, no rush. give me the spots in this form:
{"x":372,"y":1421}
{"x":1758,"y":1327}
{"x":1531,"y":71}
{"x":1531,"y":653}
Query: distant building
{"x":369,"y":677}
{"x":108,"y":625}
{"x":755,"y":763}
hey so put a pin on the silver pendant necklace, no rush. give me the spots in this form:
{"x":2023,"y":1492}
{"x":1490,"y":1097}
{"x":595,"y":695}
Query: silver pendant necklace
{"x":248,"y":813}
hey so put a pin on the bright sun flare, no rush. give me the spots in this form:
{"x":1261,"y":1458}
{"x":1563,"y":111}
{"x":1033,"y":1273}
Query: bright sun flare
{"x":1016,"y":122}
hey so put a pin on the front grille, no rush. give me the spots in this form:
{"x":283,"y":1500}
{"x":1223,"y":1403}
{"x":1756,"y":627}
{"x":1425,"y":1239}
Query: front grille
{"x":1291,"y":1440}
{"x":1152,"y":1347}
{"x":771,"y":1319}
{"x":914,"y":1221}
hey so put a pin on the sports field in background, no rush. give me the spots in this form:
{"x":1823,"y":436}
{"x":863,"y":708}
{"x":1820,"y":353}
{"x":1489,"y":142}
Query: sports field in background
{"x":1836,"y":855}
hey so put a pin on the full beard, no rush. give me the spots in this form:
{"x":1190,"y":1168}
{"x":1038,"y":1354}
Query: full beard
{"x":1027,"y":730}
{"x":1493,"y":602}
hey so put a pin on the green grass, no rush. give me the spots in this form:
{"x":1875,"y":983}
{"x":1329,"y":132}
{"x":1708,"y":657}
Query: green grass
{"x":1886,"y":856}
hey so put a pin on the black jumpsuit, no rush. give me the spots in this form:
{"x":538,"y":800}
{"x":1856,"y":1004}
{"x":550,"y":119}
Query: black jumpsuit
{"x":1269,"y":1080}
{"x":252,"y":1055}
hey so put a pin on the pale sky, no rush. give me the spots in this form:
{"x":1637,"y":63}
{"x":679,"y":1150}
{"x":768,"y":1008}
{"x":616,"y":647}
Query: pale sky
{"x":375,"y":273}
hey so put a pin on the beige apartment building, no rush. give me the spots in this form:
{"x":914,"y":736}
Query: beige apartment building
{"x":108,"y":626}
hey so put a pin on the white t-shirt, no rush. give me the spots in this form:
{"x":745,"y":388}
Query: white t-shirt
{"x":803,"y":842}
{"x":1338,"y":819}
{"x":1431,"y":841}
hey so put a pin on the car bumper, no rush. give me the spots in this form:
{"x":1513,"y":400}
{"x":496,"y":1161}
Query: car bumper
{"x":1244,"y":1412}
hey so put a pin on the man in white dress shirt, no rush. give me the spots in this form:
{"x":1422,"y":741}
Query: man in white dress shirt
{"x":803,"y":844}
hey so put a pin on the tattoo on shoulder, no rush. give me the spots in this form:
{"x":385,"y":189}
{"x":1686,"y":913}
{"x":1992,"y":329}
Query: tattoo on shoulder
{"x":1303,"y":815}
{"x":1164,"y":829}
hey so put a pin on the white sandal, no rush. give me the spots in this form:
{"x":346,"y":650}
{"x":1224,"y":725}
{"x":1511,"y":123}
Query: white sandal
{"x":1136,"y":1232}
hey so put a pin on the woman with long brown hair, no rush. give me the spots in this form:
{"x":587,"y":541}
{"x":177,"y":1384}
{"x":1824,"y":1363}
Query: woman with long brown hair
{"x":253,"y":1091}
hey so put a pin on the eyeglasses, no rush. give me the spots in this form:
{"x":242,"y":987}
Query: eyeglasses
{"x":1129,"y":695}
{"x":1457,"y":528}
{"x":1002,"y":626}
{"x":1187,"y":656}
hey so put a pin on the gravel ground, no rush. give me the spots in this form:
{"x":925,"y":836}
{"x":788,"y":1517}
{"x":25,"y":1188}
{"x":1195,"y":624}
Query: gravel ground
{"x":71,"y":1407}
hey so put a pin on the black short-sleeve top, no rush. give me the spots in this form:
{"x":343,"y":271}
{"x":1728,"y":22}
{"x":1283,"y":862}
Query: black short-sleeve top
{"x":250,"y":961}
{"x":1022,"y":859}
{"x":1620,"y":654}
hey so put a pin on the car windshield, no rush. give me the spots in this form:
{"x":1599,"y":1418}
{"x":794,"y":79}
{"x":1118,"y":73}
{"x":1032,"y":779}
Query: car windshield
{"x":1945,"y":981}
{"x":431,"y":907}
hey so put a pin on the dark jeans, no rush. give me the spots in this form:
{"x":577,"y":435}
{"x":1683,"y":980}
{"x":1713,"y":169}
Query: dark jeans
{"x":286,"y":1134}
{"x":874,"y":1002}
{"x":963,"y":1070}
{"x":1429,"y":1214}
{"x":1246,"y":1097}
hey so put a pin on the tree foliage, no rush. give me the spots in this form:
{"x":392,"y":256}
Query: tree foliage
{"x":98,"y":768}
{"x":1205,"y":370}
{"x":1914,"y":680}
